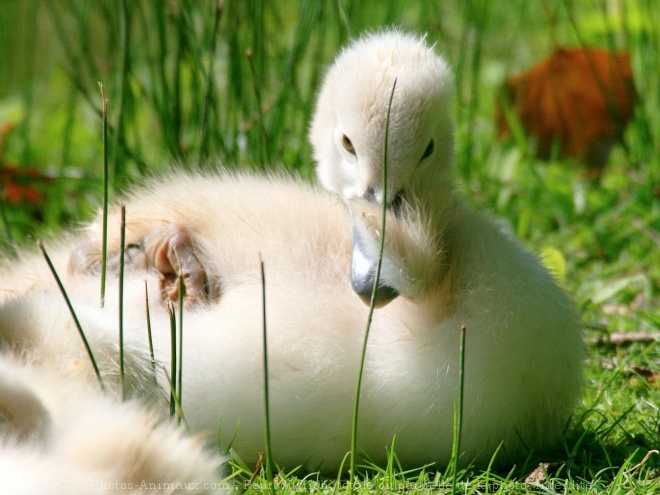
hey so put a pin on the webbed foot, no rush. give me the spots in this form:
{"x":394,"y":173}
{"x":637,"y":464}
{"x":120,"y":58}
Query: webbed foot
{"x":171,"y":251}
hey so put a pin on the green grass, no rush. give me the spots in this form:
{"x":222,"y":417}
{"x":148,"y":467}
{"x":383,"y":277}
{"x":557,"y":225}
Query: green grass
{"x":81,"y":332}
{"x":182,"y":91}
{"x":372,"y":304}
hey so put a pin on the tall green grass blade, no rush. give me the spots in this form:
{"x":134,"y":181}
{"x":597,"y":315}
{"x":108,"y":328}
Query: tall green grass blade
{"x":176,"y":401}
{"x":230,"y":445}
{"x":122,"y":91}
{"x":343,"y":17}
{"x":179,"y":388}
{"x":356,"y":404}
{"x":152,"y":357}
{"x":73,"y":314}
{"x":122,"y":262}
{"x":202,"y":152}
{"x":173,"y":368}
{"x":458,"y":421}
{"x":177,"y":104}
{"x":267,"y":430}
{"x":477,"y":14}
{"x":104,"y":240}
{"x":288,"y":92}
{"x":263,"y":156}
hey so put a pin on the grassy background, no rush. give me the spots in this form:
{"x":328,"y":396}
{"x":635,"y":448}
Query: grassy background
{"x":182,"y":92}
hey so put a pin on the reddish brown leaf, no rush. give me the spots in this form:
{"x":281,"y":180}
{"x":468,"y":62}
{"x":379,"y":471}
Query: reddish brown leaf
{"x":580,"y":98}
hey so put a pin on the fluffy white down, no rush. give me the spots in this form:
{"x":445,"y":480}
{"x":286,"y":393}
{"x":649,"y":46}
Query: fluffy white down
{"x":354,"y":101}
{"x":451,"y":265}
{"x":63,"y":436}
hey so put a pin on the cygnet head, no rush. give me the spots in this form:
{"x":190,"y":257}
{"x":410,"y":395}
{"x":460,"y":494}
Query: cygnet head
{"x":348,"y":129}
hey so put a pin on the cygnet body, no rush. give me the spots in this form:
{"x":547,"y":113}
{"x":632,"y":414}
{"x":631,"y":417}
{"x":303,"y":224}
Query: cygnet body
{"x":449,"y":265}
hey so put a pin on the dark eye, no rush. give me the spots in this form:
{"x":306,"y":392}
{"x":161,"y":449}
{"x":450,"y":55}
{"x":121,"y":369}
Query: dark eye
{"x":346,"y":143}
{"x":428,"y":151}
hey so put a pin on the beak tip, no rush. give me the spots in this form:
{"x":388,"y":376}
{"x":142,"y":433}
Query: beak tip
{"x":363,"y":276}
{"x":384,"y":295}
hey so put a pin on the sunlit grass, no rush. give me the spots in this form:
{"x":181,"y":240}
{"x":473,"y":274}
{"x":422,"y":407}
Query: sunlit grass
{"x":74,"y":316}
{"x":372,"y":303}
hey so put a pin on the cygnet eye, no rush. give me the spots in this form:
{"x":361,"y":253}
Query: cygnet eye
{"x":346,"y":143}
{"x":428,"y":151}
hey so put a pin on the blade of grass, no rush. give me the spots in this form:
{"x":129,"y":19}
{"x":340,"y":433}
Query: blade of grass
{"x":263,"y":156}
{"x":269,"y":464}
{"x":176,"y":96}
{"x":149,"y":334}
{"x":458,"y":420}
{"x":122,"y":91}
{"x":279,"y":113}
{"x":104,"y":241}
{"x":477,"y":14}
{"x":162,"y":92}
{"x":179,"y":389}
{"x":356,"y":406}
{"x":177,"y":402}
{"x":73,"y":314}
{"x":344,"y":18}
{"x":203,"y":131}
{"x":122,"y":249}
{"x":172,"y":375}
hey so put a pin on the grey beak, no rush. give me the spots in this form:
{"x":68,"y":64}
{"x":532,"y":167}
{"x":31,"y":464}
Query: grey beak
{"x":363,"y":275}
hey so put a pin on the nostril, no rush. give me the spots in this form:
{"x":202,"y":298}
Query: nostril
{"x":370,"y":194}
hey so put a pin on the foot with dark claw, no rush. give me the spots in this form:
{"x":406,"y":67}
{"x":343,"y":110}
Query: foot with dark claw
{"x":171,"y":251}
